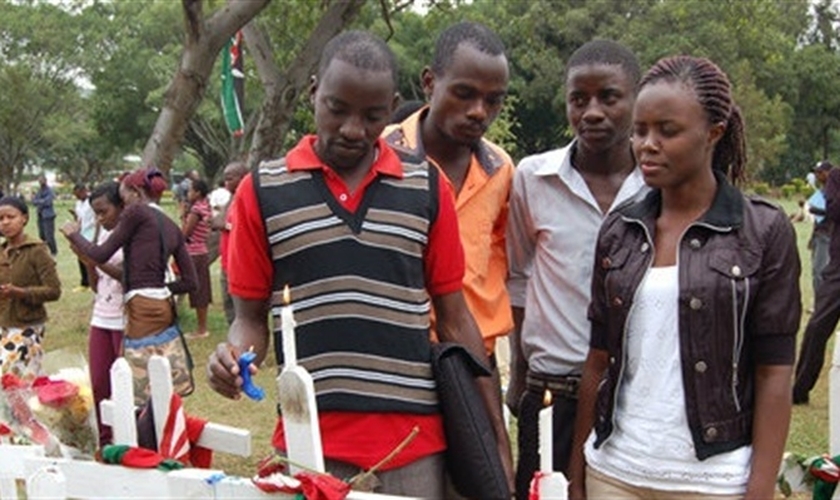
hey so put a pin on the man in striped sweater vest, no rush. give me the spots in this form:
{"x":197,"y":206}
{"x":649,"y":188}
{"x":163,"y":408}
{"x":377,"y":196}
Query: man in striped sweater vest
{"x":368,"y":245}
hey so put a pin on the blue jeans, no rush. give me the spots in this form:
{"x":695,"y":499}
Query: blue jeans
{"x":819,"y":257}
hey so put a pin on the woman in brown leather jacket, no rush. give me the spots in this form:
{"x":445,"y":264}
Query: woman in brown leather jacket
{"x":695,"y":308}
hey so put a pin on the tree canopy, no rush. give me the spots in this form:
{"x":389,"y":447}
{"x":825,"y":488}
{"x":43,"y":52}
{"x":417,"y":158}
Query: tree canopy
{"x":88,"y":82}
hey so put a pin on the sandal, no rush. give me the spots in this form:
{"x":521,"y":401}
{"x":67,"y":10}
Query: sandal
{"x":196,"y":335}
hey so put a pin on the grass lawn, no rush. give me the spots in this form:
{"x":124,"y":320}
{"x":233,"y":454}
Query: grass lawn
{"x":68,"y":326}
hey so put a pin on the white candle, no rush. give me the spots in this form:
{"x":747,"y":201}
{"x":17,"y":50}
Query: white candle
{"x":546,"y":432}
{"x":287,"y":324}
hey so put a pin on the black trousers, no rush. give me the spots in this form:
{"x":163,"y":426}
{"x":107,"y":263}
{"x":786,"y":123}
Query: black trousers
{"x":819,"y":330}
{"x":46,"y":231}
{"x":565,"y":409}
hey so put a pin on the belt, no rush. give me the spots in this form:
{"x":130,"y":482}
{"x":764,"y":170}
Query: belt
{"x":566,"y":385}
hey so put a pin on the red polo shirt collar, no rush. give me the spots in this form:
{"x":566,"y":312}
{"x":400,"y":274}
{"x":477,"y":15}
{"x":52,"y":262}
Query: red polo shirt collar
{"x":304,"y":157}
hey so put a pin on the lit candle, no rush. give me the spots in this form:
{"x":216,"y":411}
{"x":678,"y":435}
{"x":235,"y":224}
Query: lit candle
{"x":287,"y":323}
{"x":546,"y":432}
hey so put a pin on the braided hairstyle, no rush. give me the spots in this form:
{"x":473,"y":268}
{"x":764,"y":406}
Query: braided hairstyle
{"x":711,"y":86}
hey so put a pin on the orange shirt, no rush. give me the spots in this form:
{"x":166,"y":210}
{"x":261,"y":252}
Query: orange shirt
{"x":482,"y":208}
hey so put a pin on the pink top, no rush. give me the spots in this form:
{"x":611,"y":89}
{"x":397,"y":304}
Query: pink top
{"x":108,"y":303}
{"x":197,"y":239}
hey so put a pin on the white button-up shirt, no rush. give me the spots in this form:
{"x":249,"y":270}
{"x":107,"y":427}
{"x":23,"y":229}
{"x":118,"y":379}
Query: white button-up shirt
{"x":551,"y":235}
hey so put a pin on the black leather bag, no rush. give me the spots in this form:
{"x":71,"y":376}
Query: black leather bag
{"x":472,"y":457}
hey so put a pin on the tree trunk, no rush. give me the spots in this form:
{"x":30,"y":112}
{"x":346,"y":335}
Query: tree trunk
{"x":202,"y":44}
{"x":282,"y":90}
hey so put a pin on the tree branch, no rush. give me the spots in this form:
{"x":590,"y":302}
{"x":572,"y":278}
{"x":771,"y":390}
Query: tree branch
{"x":281,"y":99}
{"x":203,"y":43}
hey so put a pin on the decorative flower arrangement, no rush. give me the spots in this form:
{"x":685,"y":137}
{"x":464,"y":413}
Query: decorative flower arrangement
{"x":55,"y":411}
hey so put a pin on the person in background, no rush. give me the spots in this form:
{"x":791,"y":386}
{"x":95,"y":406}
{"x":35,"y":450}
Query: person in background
{"x":349,"y":225}
{"x":826,"y":313}
{"x":466,"y":86}
{"x":28,"y":280}
{"x":558,"y":202}
{"x":406,"y":109}
{"x":43,"y":200}
{"x":182,"y":189}
{"x":695,"y":309}
{"x":196,"y":229}
{"x":233,"y":174}
{"x":821,"y":235}
{"x":218,"y":199}
{"x":143,"y":232}
{"x":107,"y":322}
{"x":83,"y":213}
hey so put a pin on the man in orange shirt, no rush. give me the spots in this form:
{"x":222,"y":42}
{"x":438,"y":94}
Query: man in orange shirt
{"x":466,"y":86}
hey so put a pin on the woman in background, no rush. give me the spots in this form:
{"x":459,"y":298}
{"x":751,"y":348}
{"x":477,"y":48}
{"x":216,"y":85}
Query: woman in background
{"x":196,"y":229}
{"x":143,"y":233}
{"x":694,"y":313}
{"x":28,"y":279}
{"x":105,"y":337}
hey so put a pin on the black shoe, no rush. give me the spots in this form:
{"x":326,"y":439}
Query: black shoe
{"x":800,"y":399}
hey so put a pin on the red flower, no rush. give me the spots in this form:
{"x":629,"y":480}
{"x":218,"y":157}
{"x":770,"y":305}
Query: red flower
{"x":322,"y":486}
{"x":269,"y":465}
{"x":57,"y":393}
{"x":11,"y":381}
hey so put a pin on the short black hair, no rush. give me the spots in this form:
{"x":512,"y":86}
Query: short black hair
{"x":79,"y":187}
{"x":606,"y":52}
{"x":362,"y":50}
{"x":14,"y":201}
{"x":406,"y":109}
{"x":200,"y":186}
{"x":110,"y":190}
{"x":477,"y":35}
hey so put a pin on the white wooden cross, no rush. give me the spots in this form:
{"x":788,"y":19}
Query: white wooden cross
{"x":62,"y":478}
{"x":119,"y":411}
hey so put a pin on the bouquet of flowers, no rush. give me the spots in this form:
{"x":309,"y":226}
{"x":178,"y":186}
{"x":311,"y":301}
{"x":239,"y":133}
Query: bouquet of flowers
{"x":55,"y":411}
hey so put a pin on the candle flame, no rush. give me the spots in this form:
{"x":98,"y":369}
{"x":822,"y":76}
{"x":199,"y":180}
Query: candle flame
{"x":547,"y":398}
{"x":287,"y":296}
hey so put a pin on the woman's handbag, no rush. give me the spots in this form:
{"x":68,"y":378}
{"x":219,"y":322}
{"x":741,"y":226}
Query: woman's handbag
{"x":472,"y":457}
{"x":169,"y":342}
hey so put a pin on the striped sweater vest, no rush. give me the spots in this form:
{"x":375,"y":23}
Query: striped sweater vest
{"x":357,"y":285}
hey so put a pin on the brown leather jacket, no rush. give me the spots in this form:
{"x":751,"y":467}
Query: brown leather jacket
{"x":739,"y":306}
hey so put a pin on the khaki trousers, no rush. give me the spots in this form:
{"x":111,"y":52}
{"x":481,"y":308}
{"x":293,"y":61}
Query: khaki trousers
{"x":600,"y":486}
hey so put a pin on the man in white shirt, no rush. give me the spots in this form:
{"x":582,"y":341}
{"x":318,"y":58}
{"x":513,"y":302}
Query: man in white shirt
{"x":559,"y":200}
{"x":218,"y":199}
{"x":83,"y":213}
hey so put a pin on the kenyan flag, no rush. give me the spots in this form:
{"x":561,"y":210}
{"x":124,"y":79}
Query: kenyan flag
{"x":233,"y":88}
